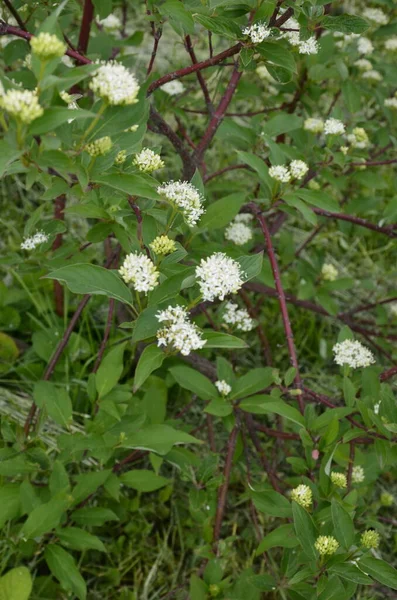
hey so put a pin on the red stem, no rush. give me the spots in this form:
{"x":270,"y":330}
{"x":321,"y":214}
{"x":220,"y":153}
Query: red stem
{"x":157,"y":33}
{"x":84,"y":37}
{"x":59,"y":207}
{"x":201,"y":80}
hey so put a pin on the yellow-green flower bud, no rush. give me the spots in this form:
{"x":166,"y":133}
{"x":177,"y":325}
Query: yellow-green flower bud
{"x":21,"y":104}
{"x":326,"y":544}
{"x":302,"y":495}
{"x":99,"y":147}
{"x":162,"y":244}
{"x":386,"y":499}
{"x":148,"y":161}
{"x":214,"y":590}
{"x":370,"y":539}
{"x":339,"y":479}
{"x":47,"y":46}
{"x":120,"y":157}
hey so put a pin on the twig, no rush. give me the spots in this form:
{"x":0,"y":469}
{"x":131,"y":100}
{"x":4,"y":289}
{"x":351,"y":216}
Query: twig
{"x":105,"y":336}
{"x":84,"y":36}
{"x":59,"y":207}
{"x":220,"y":509}
{"x":157,"y":33}
{"x":15,"y":14}
{"x":201,"y":80}
{"x":350,"y":466}
{"x":225,"y":170}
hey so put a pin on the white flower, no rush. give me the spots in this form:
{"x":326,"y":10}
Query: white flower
{"x":298,"y":169}
{"x":140,"y":271}
{"x":391,"y":44}
{"x":218,"y":276}
{"x":302,"y":495}
{"x":293,"y":37}
{"x":179,"y":333}
{"x":333,"y":127}
{"x":309,"y":46}
{"x":358,"y":474}
{"x":375,"y":15}
{"x":393,"y":309}
{"x":47,"y":46}
{"x":363,"y":64}
{"x":328,"y":272}
{"x":238,"y":233}
{"x":243,"y":218}
{"x":280,"y":173}
{"x":314,"y":125}
{"x":359,"y":138}
{"x":173,"y":88}
{"x":372,"y":75}
{"x":365,"y":46}
{"x":67,"y":61}
{"x":376,"y":408}
{"x":186,"y":197}
{"x":391,"y":103}
{"x":148,"y":161}
{"x":352,"y":353}
{"x":239,"y":317}
{"x":115,"y":84}
{"x":223,"y":387}
{"x":110,"y":23}
{"x":30,"y":243}
{"x":257,"y":32}
{"x":344,"y":149}
{"x":21,"y":104}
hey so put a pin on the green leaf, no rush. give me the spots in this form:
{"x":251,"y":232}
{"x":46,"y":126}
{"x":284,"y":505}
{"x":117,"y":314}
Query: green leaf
{"x":345,"y":23}
{"x":283,"y":537}
{"x":46,"y":517}
{"x":134,"y":185}
{"x":379,"y":570}
{"x":319,"y":199}
{"x":264,"y":582}
{"x":224,"y":27}
{"x":282,"y":123}
{"x":146,"y":324}
{"x":277,"y":54}
{"x":272,"y":503}
{"x":178,"y":15}
{"x":10,"y":502}
{"x":151,"y":359}
{"x":93,"y":516}
{"x":197,"y":589}
{"x":56,"y":116}
{"x":252,"y":382}
{"x":251,"y":266}
{"x":291,"y":199}
{"x":82,"y":278}
{"x":78,"y":539}
{"x":278,"y":407}
{"x":16,"y":584}
{"x":219,"y":408}
{"x":343,"y":525}
{"x":143,"y":480}
{"x":88,"y":483}
{"x":194,"y":381}
{"x":350,"y":572}
{"x":63,"y":567}
{"x":7,"y":156}
{"x":55,"y":400}
{"x":220,"y":213}
{"x":305,"y":530}
{"x":259,"y":165}
{"x":110,"y":371}
{"x":215,"y":339}
{"x":158,"y":438}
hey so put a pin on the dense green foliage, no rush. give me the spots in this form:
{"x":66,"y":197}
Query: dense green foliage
{"x":176,"y":421}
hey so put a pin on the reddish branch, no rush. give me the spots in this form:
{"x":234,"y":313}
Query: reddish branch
{"x":201,"y":80}
{"x":138,"y":214}
{"x":351,"y":464}
{"x":282,"y":300}
{"x":261,"y":332}
{"x":105,"y":335}
{"x":15,"y":14}
{"x":59,"y":207}
{"x":266,"y":464}
{"x":220,"y":509}
{"x":225,"y":170}
{"x":157,"y":33}
{"x":84,"y":37}
{"x":386,"y":230}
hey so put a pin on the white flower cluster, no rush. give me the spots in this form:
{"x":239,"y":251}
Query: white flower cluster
{"x":110,"y":23}
{"x":309,"y":46}
{"x":223,"y":387}
{"x":365,"y":46}
{"x":99,"y":147}
{"x":115,"y":84}
{"x":31,"y":243}
{"x":372,"y":76}
{"x":352,"y":353}
{"x":140,"y":271}
{"x":391,"y":102}
{"x":21,"y":104}
{"x":218,"y":276}
{"x":185,"y":196}
{"x":391,"y":44}
{"x":297,"y":169}
{"x":358,"y":474}
{"x":333,"y":127}
{"x":179,"y":333}
{"x":173,"y":88}
{"x":314,"y":125}
{"x":239,"y":317}
{"x":363,"y":64}
{"x":238,"y":231}
{"x":257,"y":32}
{"x":375,"y":15}
{"x":47,"y":46}
{"x":358,"y":138}
{"x":148,"y":161}
{"x":328,"y":272}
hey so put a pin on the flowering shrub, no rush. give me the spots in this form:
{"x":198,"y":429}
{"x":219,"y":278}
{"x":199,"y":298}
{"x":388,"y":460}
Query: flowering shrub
{"x":198,"y":305}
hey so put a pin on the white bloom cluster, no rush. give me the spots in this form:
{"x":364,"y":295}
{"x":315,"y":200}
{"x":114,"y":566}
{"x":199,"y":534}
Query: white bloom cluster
{"x":297,"y":169}
{"x":328,"y":272}
{"x":375,"y":15}
{"x":47,"y":46}
{"x":363,"y":64}
{"x":391,"y":102}
{"x":302,"y":495}
{"x":352,"y":353}
{"x":333,"y":127}
{"x":257,"y":32}
{"x":140,"y":271}
{"x":358,"y":138}
{"x":115,"y":84}
{"x":365,"y":46}
{"x":185,"y":196}
{"x":238,"y":317}
{"x":238,"y":231}
{"x":309,"y":46}
{"x":110,"y":23}
{"x":223,"y":387}
{"x":372,"y":75}
{"x":148,"y":161}
{"x":358,"y":474}
{"x":173,"y":88}
{"x":314,"y":125}
{"x":218,"y":276}
{"x":244,"y":218}
{"x":21,"y":104}
{"x":391,"y":44}
{"x":31,"y":243}
{"x":179,"y":333}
